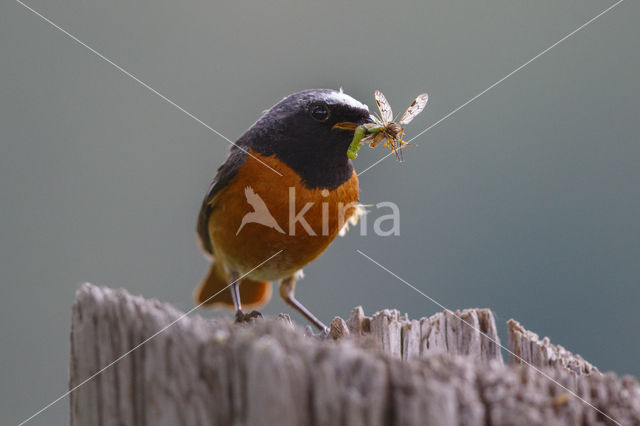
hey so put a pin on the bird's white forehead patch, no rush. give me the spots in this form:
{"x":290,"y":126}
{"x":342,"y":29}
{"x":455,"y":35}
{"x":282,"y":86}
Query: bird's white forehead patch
{"x":343,"y":98}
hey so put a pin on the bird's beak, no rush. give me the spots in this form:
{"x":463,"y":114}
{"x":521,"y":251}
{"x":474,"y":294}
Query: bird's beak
{"x":347,"y":125}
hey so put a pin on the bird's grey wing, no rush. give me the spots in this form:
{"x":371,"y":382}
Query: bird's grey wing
{"x":226,"y":172}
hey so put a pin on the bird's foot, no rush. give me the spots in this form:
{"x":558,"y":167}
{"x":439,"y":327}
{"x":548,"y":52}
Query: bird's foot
{"x":242,"y":317}
{"x":322,"y":334}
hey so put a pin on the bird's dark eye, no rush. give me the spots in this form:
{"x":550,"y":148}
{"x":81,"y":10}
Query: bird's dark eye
{"x":320,"y":112}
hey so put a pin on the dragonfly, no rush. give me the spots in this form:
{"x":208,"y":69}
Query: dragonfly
{"x":386,"y":128}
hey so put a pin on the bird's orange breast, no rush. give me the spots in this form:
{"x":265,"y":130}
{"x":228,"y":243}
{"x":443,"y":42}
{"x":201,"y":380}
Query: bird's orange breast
{"x":300,"y":221}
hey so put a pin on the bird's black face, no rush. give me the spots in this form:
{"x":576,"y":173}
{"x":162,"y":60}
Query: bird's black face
{"x":299,"y":131}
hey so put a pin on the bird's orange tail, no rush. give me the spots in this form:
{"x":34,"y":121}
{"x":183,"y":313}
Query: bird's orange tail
{"x":253,"y":294}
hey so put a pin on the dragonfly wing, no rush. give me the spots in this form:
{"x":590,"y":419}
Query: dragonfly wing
{"x":385,"y":108}
{"x":414,"y":109}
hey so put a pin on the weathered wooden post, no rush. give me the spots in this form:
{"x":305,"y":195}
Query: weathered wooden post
{"x":166,"y":369}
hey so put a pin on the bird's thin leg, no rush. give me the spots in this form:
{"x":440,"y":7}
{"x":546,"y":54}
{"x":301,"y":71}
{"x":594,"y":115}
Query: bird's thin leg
{"x":235,"y":296}
{"x":235,"y":291}
{"x":287,"y":292}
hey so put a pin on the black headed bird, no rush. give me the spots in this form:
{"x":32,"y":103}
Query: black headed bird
{"x":251,"y":212}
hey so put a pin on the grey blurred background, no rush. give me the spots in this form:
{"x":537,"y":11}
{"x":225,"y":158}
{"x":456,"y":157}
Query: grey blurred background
{"x":526,"y":201}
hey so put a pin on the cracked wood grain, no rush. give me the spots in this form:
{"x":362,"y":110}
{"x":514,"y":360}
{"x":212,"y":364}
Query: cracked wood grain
{"x":383,"y":369}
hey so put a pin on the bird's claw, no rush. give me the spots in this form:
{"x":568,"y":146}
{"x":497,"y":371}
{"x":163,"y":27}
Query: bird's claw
{"x":242,"y":317}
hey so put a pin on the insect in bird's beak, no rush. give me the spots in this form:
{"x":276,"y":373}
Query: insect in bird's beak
{"x":359,"y":132}
{"x":386,"y":129}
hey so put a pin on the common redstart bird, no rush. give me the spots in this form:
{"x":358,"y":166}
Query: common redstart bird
{"x":251,"y":212}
